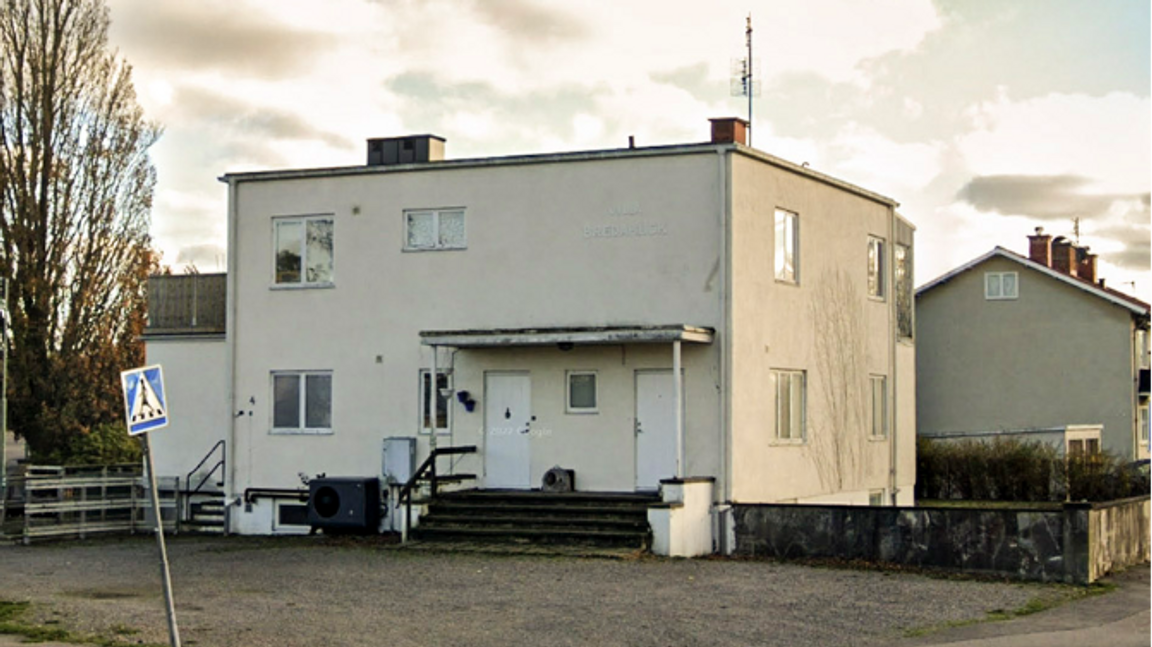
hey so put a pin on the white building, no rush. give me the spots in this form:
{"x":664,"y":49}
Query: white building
{"x":554,"y":295}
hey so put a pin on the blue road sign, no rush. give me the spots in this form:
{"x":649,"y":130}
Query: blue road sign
{"x":144,"y":401}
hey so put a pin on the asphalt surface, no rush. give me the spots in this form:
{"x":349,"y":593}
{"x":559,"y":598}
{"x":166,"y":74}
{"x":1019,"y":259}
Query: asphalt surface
{"x":314,"y":591}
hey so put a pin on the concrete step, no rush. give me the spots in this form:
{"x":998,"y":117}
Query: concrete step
{"x":477,"y":521}
{"x":553,"y":534}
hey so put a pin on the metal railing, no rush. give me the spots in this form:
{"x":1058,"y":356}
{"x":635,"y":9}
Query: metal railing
{"x":427,"y":473}
{"x":83,"y":501}
{"x":186,"y":304}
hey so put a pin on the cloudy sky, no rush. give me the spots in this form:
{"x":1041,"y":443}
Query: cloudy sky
{"x":983,"y":118}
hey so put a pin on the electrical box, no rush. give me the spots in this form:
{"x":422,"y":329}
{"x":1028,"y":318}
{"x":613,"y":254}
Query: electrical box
{"x":399,"y":459}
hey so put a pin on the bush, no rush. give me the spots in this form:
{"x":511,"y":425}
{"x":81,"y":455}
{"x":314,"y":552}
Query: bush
{"x":106,"y":444}
{"x":1015,"y":470}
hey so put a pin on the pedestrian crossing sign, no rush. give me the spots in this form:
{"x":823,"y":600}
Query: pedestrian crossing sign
{"x":144,"y":400}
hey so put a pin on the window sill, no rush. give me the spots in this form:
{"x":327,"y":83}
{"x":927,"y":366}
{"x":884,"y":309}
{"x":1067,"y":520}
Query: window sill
{"x":300,"y":432}
{"x":413,"y":250}
{"x":582,"y":412}
{"x":302,"y":286}
{"x":439,"y":432}
{"x":788,"y":282}
{"x":784,"y":442}
{"x":877,"y":439}
{"x":876,"y":299}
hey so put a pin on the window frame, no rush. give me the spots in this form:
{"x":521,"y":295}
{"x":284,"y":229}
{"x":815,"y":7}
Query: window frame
{"x":881,"y":285}
{"x":881,"y":380}
{"x":302,"y":395}
{"x":302,"y":220}
{"x":801,"y":435}
{"x":876,"y":498}
{"x":784,"y":246}
{"x":436,"y":213}
{"x":1001,"y":296}
{"x":422,"y":403}
{"x":1145,"y":425}
{"x":568,"y":406}
{"x":904,"y":291}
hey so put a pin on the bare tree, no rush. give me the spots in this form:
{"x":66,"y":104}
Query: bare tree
{"x":839,"y":424}
{"x":76,"y":187}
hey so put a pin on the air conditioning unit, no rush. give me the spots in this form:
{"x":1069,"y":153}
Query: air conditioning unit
{"x":350,"y":504}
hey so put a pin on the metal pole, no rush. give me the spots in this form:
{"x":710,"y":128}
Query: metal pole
{"x":4,"y":415}
{"x":748,"y":86}
{"x":165,"y":575}
{"x":678,"y":403}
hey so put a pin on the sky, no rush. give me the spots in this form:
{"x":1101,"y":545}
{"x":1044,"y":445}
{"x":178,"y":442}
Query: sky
{"x":983,"y":118}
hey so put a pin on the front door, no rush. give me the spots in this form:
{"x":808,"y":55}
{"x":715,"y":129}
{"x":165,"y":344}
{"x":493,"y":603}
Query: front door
{"x":507,"y":426}
{"x":655,"y":428}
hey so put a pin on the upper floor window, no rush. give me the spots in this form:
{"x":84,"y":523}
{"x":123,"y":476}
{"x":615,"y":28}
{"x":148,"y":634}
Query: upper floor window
{"x":787,"y":246}
{"x":902,"y":282}
{"x":1000,"y":285}
{"x":875,"y":267}
{"x":303,"y":250}
{"x":1142,"y":348}
{"x":434,"y":229}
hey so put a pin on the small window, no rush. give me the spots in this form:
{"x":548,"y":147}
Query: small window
{"x":1142,"y":348}
{"x":879,"y":405}
{"x":902,"y":281}
{"x":443,"y":399}
{"x":1144,"y":422}
{"x":303,"y":251}
{"x":582,"y":396}
{"x":876,"y":267}
{"x":434,"y":229}
{"x":302,"y":402}
{"x":1092,"y":445}
{"x":787,"y":246}
{"x":1075,"y":447}
{"x":790,"y":405}
{"x":1000,"y":285}
{"x":876,"y":498}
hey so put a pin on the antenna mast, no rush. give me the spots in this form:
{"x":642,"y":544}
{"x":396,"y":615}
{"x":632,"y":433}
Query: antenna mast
{"x":748,"y":80}
{"x":743,"y":84}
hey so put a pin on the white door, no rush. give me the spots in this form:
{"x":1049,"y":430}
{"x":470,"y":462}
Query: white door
{"x":507,"y":423}
{"x":655,"y":428}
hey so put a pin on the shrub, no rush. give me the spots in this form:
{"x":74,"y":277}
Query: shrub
{"x":106,"y":444}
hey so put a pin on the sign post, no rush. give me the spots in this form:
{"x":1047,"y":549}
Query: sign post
{"x":147,"y":410}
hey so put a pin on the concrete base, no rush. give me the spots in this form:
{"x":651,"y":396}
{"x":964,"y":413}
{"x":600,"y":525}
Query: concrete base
{"x":682,"y":522}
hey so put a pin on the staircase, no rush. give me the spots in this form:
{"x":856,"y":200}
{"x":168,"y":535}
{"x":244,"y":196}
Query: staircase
{"x":618,"y":520}
{"x":205,"y":513}
{"x":204,"y":510}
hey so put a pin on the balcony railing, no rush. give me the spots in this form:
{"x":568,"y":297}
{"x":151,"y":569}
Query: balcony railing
{"x":190,"y":304}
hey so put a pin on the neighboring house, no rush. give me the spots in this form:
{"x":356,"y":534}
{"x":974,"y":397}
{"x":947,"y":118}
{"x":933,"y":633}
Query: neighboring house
{"x":1036,"y":347}
{"x":552,"y":296}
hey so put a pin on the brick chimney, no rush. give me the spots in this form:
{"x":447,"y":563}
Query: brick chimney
{"x":1040,"y":247}
{"x":729,"y":130}
{"x":1064,"y":256}
{"x":1085,"y":264}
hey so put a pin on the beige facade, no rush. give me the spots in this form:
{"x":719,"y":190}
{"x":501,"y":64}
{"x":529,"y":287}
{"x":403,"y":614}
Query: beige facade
{"x":671,"y":238}
{"x":1059,"y":352}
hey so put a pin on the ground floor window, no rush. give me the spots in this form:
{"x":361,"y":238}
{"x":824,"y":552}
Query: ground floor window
{"x":302,"y":402}
{"x":1144,"y":422}
{"x":879,"y":405}
{"x":790,"y":404}
{"x":581,"y":396}
{"x":876,"y":498}
{"x":443,"y":399}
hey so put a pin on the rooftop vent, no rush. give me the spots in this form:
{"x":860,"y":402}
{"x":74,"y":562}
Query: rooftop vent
{"x":413,"y":149}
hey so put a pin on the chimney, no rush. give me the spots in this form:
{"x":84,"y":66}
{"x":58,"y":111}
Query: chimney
{"x":1064,"y":256}
{"x":1040,"y":247}
{"x":729,"y":130}
{"x":1085,"y":264}
{"x":413,"y":149}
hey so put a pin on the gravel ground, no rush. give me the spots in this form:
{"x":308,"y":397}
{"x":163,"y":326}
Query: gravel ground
{"x":313,"y":591}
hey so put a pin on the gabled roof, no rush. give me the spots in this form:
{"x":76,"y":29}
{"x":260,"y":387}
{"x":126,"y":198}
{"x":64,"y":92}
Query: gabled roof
{"x":1115,"y":297}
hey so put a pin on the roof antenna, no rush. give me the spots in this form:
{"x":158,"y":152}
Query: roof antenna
{"x":743,"y":84}
{"x":1076,"y":229}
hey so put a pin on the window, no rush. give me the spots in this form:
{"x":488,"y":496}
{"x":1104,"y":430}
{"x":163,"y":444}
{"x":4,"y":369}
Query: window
{"x":875,"y":267}
{"x":879,"y":405}
{"x":1144,"y":422}
{"x":1000,"y":285}
{"x":443,"y":399}
{"x":302,"y":402}
{"x":1142,"y":348}
{"x":790,"y":403}
{"x":902,"y":280}
{"x":787,"y":245}
{"x":581,"y":392}
{"x":434,"y":229}
{"x":303,"y":251}
{"x":876,"y":498}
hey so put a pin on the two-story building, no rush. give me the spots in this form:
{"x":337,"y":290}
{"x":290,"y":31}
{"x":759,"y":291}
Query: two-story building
{"x":1033,"y":347}
{"x":633,"y":315}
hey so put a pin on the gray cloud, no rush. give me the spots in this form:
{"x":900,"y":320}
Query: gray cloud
{"x":274,"y":123}
{"x":198,"y":35}
{"x":1044,"y":197}
{"x":525,"y":20}
{"x":694,"y":80}
{"x":207,"y":258}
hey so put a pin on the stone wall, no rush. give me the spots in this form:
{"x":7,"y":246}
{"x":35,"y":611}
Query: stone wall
{"x":1118,"y":535}
{"x":1024,"y":543}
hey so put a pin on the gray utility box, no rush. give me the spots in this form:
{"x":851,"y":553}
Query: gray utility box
{"x":399,"y":460}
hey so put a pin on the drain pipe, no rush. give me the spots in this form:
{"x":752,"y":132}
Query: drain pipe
{"x":724,"y":505}
{"x":889,"y":271}
{"x":230,"y":328}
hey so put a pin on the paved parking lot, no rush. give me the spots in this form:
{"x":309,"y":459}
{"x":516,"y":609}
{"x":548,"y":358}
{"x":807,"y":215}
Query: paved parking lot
{"x":313,"y":591}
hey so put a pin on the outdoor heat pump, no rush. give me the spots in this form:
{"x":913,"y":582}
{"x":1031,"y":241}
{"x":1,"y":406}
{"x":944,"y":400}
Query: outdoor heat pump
{"x":344,"y":504}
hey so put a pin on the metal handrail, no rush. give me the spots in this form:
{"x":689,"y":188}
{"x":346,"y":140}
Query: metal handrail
{"x":220,"y":464}
{"x":429,"y":465}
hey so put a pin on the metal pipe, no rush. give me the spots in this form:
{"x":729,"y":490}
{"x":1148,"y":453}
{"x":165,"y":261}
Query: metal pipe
{"x":165,"y":574}
{"x":678,"y":404}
